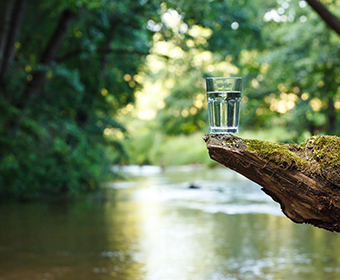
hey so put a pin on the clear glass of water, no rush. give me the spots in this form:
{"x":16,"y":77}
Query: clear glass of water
{"x":224,"y":98}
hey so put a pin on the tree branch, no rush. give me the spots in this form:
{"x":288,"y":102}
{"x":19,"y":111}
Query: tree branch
{"x":332,"y":21}
{"x":13,"y":35}
{"x":50,"y":54}
{"x":304,"y":178}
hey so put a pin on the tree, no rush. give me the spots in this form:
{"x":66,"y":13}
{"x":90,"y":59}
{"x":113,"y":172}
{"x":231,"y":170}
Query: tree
{"x":297,"y":87}
{"x":288,"y":73}
{"x":200,"y":40}
{"x":66,"y":69}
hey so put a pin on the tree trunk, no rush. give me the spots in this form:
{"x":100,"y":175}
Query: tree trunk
{"x":304,"y":179}
{"x":50,"y":54}
{"x":6,"y":8}
{"x":12,"y":35}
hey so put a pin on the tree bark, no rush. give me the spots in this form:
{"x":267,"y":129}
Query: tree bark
{"x":304,"y":179}
{"x":6,"y":8}
{"x":331,"y":20}
{"x":12,"y":35}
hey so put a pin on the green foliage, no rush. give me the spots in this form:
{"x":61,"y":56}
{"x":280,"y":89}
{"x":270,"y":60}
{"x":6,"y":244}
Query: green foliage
{"x":54,"y":160}
{"x":158,"y":149}
{"x":55,"y":145}
{"x":287,"y":56}
{"x":297,"y":68}
{"x":206,"y":43}
{"x":62,"y":140}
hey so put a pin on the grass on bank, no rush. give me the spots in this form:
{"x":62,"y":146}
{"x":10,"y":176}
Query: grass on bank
{"x":147,"y":145}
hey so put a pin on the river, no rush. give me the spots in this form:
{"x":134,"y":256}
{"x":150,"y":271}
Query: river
{"x":153,"y":226}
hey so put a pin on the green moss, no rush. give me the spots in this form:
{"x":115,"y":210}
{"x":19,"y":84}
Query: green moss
{"x":276,"y":152}
{"x":319,"y":155}
{"x":324,"y":149}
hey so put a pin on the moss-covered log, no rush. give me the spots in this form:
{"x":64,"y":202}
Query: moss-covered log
{"x":304,"y":179}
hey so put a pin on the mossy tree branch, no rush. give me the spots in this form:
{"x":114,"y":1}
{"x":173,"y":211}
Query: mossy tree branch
{"x":304,"y":179}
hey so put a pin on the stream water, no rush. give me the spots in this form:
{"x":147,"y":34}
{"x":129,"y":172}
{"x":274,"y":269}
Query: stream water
{"x":153,"y":226}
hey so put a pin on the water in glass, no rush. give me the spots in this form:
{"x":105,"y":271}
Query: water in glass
{"x":223,"y":110}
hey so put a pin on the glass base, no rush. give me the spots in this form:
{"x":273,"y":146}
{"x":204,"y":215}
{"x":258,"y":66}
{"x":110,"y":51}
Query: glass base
{"x":223,"y":129}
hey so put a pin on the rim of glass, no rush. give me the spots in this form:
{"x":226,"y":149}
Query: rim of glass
{"x":224,"y":78}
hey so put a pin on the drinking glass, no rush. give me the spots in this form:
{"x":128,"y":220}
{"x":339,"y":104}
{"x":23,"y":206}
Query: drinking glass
{"x":224,"y":98}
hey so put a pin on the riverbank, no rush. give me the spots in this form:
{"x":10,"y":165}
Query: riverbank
{"x":145,"y":148}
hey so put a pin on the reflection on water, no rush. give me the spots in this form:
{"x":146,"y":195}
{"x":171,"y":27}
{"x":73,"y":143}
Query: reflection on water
{"x":155,"y":227}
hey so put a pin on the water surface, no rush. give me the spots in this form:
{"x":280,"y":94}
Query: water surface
{"x":154,"y":227}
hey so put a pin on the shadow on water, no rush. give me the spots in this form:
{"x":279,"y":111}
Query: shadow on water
{"x":154,"y":226}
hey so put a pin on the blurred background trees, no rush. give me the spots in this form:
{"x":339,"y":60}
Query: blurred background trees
{"x":63,"y":79}
{"x":86,"y":84}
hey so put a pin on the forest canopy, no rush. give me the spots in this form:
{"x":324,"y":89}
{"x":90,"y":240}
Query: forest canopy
{"x":85,"y":85}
